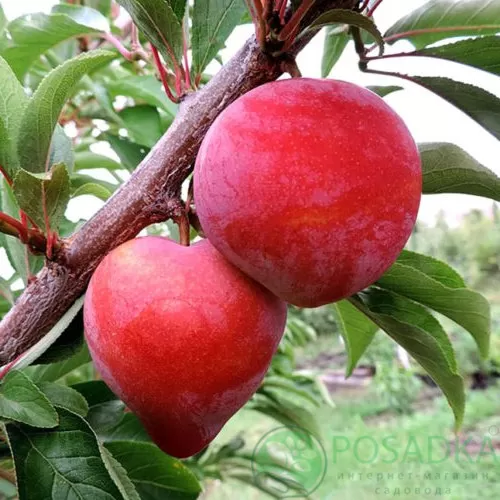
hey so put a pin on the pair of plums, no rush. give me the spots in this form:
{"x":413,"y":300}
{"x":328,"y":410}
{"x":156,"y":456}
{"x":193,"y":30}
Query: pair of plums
{"x":307,"y":191}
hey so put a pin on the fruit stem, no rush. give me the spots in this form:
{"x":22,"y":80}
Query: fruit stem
{"x":184,"y":229}
{"x":289,"y":65}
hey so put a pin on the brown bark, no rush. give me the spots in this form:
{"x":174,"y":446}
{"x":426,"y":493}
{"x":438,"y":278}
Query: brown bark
{"x":151,"y":195}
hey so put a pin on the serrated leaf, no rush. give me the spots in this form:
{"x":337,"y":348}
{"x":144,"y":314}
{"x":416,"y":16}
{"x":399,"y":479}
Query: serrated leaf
{"x":421,"y":335}
{"x":384,"y":90}
{"x":22,"y":401}
{"x":480,"y":105}
{"x":34,"y":34}
{"x":357,"y":330}
{"x":469,"y":17}
{"x":85,"y":16}
{"x":91,"y":188}
{"x":119,"y":475}
{"x":130,"y":153}
{"x":143,"y":124}
{"x":154,"y":474}
{"x":336,"y":40}
{"x":350,"y":18}
{"x":64,"y":397}
{"x":43,"y":109}
{"x":213,"y":22}
{"x":447,"y":168}
{"x":467,"y":308}
{"x":481,"y":53}
{"x":39,"y":194}
{"x":158,"y":21}
{"x":64,"y":462}
{"x":13,"y":100}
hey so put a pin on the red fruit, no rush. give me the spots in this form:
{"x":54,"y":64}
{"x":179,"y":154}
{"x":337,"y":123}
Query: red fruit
{"x":181,"y":335}
{"x":311,"y":187}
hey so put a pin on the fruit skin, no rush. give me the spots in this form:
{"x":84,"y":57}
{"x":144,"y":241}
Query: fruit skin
{"x":311,"y":187}
{"x":181,"y":336}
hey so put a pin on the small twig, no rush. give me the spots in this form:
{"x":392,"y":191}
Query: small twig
{"x":364,"y":5}
{"x":291,"y":28}
{"x":371,"y":11}
{"x":163,"y":74}
{"x":281,"y":8}
{"x":133,"y":55}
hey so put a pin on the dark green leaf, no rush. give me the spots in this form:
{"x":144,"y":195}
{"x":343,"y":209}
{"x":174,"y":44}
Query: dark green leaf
{"x":40,"y":194}
{"x":119,"y":475}
{"x":467,"y":308}
{"x":179,"y":7}
{"x":13,"y":100}
{"x":480,"y":105}
{"x":64,"y":462}
{"x":350,"y":18}
{"x":65,"y":397}
{"x":154,"y":474}
{"x":213,"y":22}
{"x":143,"y":88}
{"x":143,"y":124}
{"x":157,"y":20}
{"x":449,"y":169}
{"x":383,"y":90}
{"x":34,"y":34}
{"x":22,"y":401}
{"x":336,"y":40}
{"x":482,"y":53}
{"x":44,"y":108}
{"x":130,"y":154}
{"x":419,"y":333}
{"x":356,"y":329}
{"x":84,"y":16}
{"x":469,"y":17}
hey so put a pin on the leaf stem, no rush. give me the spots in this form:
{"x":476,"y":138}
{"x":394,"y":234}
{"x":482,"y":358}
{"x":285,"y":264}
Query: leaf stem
{"x":370,"y":12}
{"x":291,"y":28}
{"x":186,"y":60}
{"x":163,"y":74}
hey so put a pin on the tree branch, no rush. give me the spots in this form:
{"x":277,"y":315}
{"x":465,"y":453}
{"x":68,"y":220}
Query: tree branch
{"x":151,"y":195}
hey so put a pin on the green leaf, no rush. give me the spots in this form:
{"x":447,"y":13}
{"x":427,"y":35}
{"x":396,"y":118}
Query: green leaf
{"x":350,"y":18}
{"x":22,"y":401}
{"x":357,"y":330}
{"x":56,"y":371}
{"x":179,"y":7}
{"x":158,"y":21}
{"x":419,"y":333}
{"x":482,"y":53}
{"x":467,"y":308}
{"x":4,"y":41}
{"x":143,"y":124}
{"x":13,"y":100}
{"x":103,"y":6}
{"x":44,"y":108}
{"x":94,"y":189}
{"x":119,"y":475}
{"x":213,"y":22}
{"x":155,"y":474}
{"x":64,"y":462}
{"x":61,"y":150}
{"x":80,"y":180}
{"x":480,"y":105}
{"x":384,"y":90}
{"x":336,"y":40}
{"x":64,"y":397}
{"x":86,"y":160}
{"x":40,"y":194}
{"x":436,"y":19}
{"x":85,"y":16}
{"x":447,"y":168}
{"x":143,"y":88}
{"x":34,"y":34}
{"x":130,"y":153}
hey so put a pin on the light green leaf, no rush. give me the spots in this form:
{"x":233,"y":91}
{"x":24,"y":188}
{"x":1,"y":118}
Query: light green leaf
{"x":482,"y":53}
{"x":93,"y":189}
{"x":447,"y":168}
{"x":3,"y":25}
{"x":143,"y":124}
{"x":85,"y":16}
{"x":130,"y":153}
{"x":155,"y":474}
{"x":40,"y":194}
{"x":419,"y":333}
{"x":86,"y":160}
{"x":213,"y":22}
{"x":384,"y":90}
{"x":357,"y":330}
{"x":143,"y":88}
{"x":158,"y":21}
{"x":34,"y":34}
{"x":64,"y":462}
{"x":44,"y":108}
{"x":467,"y":308}
{"x":469,"y":17}
{"x":12,"y":103}
{"x":80,"y":180}
{"x":477,"y":103}
{"x":336,"y":40}
{"x":64,"y":397}
{"x":350,"y":18}
{"x":22,"y":401}
{"x":61,"y":150}
{"x":119,"y":475}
